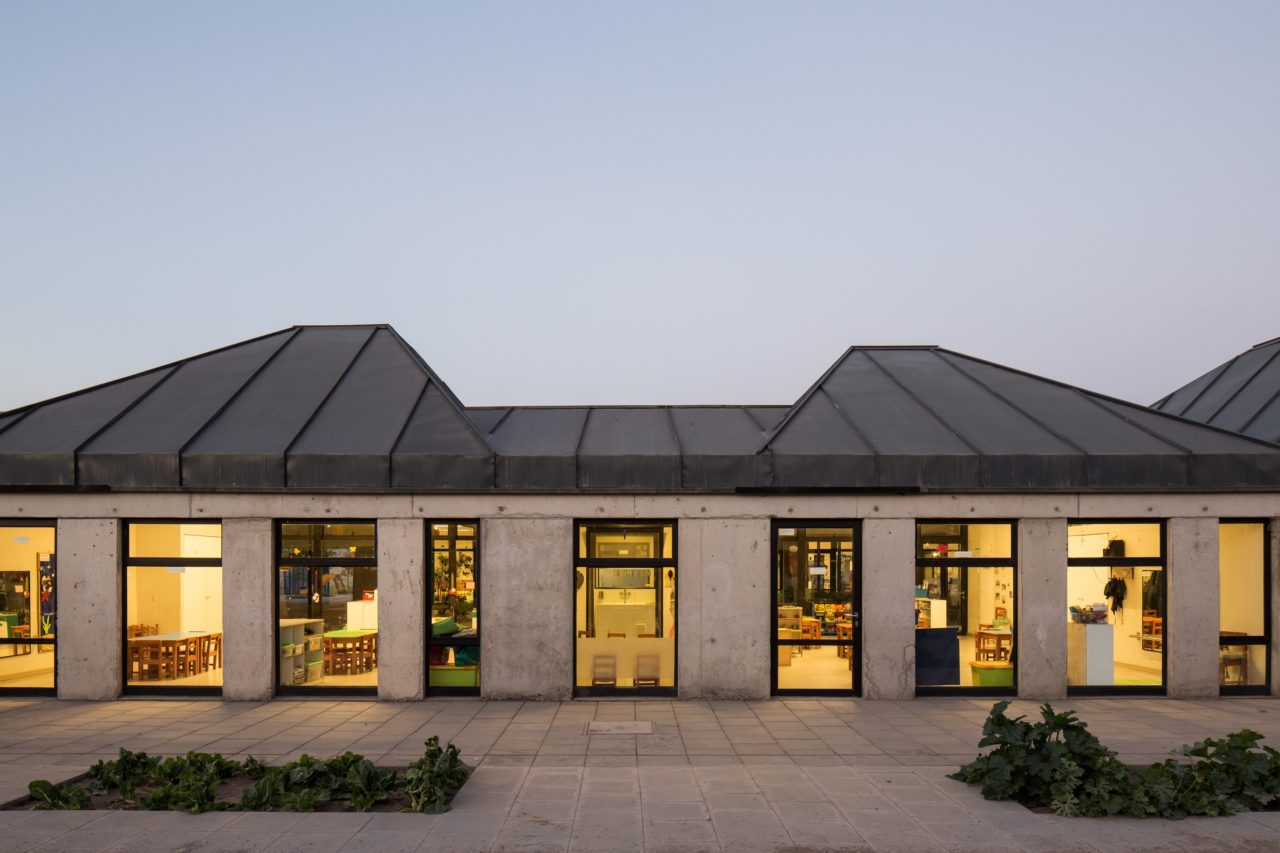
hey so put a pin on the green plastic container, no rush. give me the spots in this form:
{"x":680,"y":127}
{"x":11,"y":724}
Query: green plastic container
{"x":991,"y":673}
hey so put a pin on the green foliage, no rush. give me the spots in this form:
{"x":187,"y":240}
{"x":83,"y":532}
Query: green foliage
{"x":308,"y":783}
{"x":432,"y":780}
{"x":1059,"y":763}
{"x":125,"y":773}
{"x":50,"y":796}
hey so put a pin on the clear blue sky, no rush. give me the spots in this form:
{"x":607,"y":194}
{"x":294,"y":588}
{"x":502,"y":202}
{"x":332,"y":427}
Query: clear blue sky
{"x":641,"y":202}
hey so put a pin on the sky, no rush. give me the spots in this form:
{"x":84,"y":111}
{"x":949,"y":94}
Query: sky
{"x":659,"y":202}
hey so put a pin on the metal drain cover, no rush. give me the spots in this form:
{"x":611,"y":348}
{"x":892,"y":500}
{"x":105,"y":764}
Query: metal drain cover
{"x":622,"y":727}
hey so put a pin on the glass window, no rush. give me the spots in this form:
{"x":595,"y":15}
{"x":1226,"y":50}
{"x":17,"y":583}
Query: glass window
{"x":327,"y":584}
{"x":965,"y":603}
{"x":964,"y":541}
{"x":28,"y":607}
{"x":453,"y":648}
{"x":1115,"y":605}
{"x":815,"y":641}
{"x":1244,"y":636}
{"x":173,"y":606}
{"x":625,"y":608}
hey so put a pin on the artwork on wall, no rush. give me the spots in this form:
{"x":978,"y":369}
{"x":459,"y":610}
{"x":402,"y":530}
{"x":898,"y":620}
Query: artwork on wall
{"x":47,"y":565}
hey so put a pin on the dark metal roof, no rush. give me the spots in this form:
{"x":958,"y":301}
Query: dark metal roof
{"x":1241,"y":395}
{"x":355,"y":408}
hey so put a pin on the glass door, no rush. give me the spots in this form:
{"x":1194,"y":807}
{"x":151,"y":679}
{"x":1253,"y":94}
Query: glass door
{"x":817,"y":627}
{"x":625,"y":609}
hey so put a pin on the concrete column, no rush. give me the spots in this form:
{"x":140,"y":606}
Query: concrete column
{"x":1041,"y":617}
{"x":90,"y":624}
{"x":402,"y":607}
{"x":1274,"y":552}
{"x":526,"y":588}
{"x":248,"y":609}
{"x":1191,"y":624}
{"x":723,"y":599}
{"x":888,"y":626}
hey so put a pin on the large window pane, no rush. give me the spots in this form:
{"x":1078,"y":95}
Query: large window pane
{"x":625,"y":612}
{"x":820,"y":667}
{"x":328,"y":629}
{"x":28,"y":607}
{"x":1117,"y":639}
{"x":173,"y":613}
{"x":453,"y":647}
{"x":1242,"y":605}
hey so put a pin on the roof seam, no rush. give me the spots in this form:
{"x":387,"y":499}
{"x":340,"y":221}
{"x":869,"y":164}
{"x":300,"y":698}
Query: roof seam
{"x":499,"y":421}
{"x":75,"y":452}
{"x":577,"y":447}
{"x":1222,"y":371}
{"x":946,"y":357}
{"x":293,"y":334}
{"x":444,"y":389}
{"x":328,"y":395}
{"x":916,"y":397}
{"x":671,"y":425}
{"x":1265,"y":364}
{"x":1097,"y":401}
{"x":1267,"y":405}
{"x":844,"y":416}
{"x":413,"y":410}
{"x":804,"y":398}
{"x":20,"y":418}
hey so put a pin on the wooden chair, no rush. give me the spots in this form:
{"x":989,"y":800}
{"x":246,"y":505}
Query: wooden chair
{"x":586,"y":635}
{"x":213,"y":656}
{"x":155,"y":662}
{"x":604,"y":671}
{"x":622,"y":634}
{"x":844,"y":633}
{"x":647,"y":636}
{"x":647,"y":670}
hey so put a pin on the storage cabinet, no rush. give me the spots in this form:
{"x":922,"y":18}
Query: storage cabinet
{"x":301,"y":651}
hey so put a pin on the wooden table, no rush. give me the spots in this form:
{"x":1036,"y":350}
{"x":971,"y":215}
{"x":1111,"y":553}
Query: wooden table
{"x":162,"y":657}
{"x":350,"y":651}
{"x":992,"y":644}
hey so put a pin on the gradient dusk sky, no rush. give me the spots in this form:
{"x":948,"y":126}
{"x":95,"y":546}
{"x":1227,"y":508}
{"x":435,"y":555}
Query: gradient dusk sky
{"x":652,"y":202}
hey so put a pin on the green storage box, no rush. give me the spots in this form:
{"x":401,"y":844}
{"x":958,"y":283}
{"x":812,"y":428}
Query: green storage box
{"x":454,"y":676}
{"x":991,"y":673}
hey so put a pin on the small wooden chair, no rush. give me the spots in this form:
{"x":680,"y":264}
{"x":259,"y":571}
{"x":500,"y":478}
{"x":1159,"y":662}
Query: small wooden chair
{"x":647,"y":669}
{"x":616,"y":634}
{"x":604,"y":671}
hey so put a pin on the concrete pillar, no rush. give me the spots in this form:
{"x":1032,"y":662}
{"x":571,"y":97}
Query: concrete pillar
{"x":248,"y":609}
{"x":1191,"y":624}
{"x":888,"y":591}
{"x":1274,"y":566}
{"x":526,"y":588}
{"x":90,"y":624}
{"x":723,"y":607}
{"x":402,"y":607}
{"x":1041,"y":617}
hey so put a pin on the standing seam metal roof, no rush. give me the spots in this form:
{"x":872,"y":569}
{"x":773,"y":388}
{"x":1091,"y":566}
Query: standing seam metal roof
{"x":355,"y":408}
{"x":1241,"y":395}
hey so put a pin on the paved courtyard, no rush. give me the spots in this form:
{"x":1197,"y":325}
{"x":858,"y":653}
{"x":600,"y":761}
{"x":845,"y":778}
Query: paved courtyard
{"x":780,"y":775}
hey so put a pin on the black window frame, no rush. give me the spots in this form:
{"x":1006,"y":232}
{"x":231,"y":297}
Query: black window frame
{"x":126,"y":562}
{"x":430,"y":604}
{"x":1251,"y":640}
{"x":658,"y":563}
{"x":855,"y":593}
{"x":1010,"y":562}
{"x":11,"y":692}
{"x":281,"y":562}
{"x":1160,"y":562}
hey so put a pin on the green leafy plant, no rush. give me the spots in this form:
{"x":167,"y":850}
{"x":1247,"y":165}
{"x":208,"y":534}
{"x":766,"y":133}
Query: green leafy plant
{"x":431,"y":781}
{"x":65,"y":796}
{"x":1059,"y":763}
{"x":125,"y":773}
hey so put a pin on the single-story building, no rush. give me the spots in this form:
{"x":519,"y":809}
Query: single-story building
{"x":315,"y":512}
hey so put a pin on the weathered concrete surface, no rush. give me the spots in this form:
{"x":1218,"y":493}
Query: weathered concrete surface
{"x":526,"y":584}
{"x":1191,"y":623}
{"x":248,"y":612}
{"x":1274,"y":545}
{"x":1042,"y":606}
{"x":724,"y":575}
{"x":322,"y":507}
{"x":888,"y":590}
{"x":402,"y":603}
{"x":90,"y":624}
